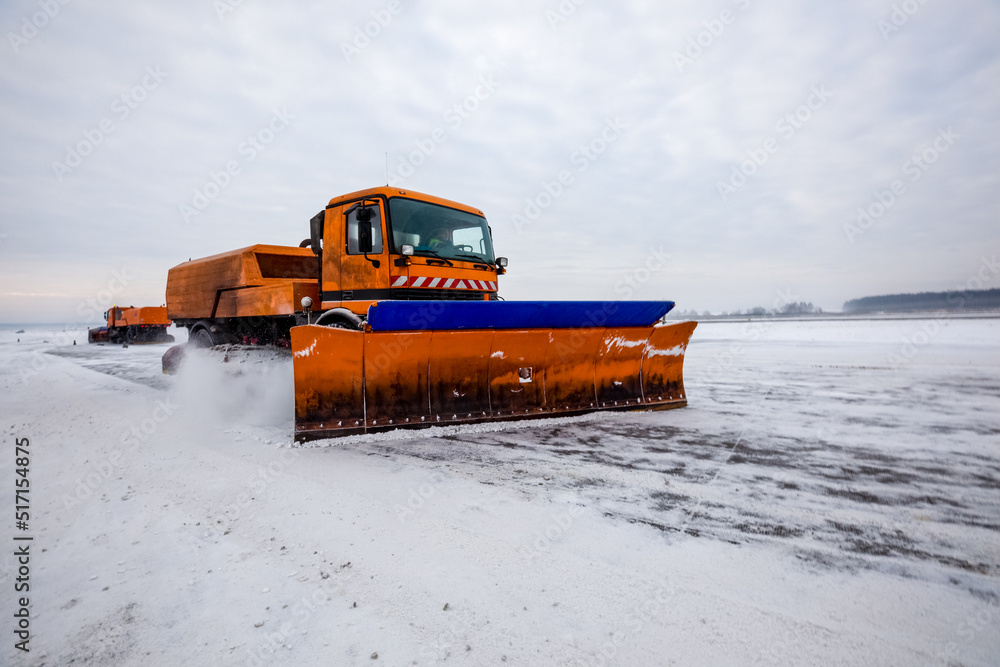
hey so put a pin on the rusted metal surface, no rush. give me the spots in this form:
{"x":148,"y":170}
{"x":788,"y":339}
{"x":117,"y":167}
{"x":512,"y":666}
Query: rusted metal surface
{"x":663,"y":363}
{"x":514,"y":372}
{"x":355,"y":382}
{"x":569,"y":369}
{"x":329,"y":378}
{"x":395,"y":377}
{"x":618,"y":368}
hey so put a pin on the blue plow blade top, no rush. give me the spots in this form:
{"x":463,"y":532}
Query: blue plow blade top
{"x":457,"y":315}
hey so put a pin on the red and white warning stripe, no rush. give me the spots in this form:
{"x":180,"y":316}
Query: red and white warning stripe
{"x":443,"y":283}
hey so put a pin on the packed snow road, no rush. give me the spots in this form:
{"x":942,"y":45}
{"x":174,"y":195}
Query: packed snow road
{"x":830,"y":496}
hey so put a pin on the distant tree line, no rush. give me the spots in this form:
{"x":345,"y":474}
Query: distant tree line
{"x":799,"y":308}
{"x":988,"y":299}
{"x":789,"y":309}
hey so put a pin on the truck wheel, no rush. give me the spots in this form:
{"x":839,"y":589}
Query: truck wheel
{"x":337,"y":323}
{"x":201,"y":338}
{"x":340,"y":318}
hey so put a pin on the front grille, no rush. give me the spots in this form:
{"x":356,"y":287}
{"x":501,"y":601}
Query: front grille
{"x":414,"y":294}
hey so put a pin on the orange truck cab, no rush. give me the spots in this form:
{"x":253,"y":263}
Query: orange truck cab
{"x":378,"y":244}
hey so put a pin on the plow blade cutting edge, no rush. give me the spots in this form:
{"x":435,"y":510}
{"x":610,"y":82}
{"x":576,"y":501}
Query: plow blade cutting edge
{"x":535,"y":359}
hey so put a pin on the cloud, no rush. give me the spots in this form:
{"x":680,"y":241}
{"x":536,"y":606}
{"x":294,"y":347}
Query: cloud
{"x":657,"y":184}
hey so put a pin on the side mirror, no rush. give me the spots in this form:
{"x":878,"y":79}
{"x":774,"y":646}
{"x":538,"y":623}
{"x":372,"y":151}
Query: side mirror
{"x":316,"y":232}
{"x":406,"y":249}
{"x":502,"y":262}
{"x":365,"y":215}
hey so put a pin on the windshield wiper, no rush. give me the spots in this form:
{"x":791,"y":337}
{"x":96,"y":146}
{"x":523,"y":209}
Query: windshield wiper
{"x":478,"y":258}
{"x":443,"y":259}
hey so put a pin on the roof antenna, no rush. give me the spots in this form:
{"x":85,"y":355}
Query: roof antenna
{"x":387,"y":168}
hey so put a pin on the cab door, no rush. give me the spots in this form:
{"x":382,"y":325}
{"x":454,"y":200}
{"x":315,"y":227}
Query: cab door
{"x":364,"y":264}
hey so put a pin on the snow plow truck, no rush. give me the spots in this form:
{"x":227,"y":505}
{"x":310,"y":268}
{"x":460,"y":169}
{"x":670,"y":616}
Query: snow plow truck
{"x":392,"y":314}
{"x":133,"y":325}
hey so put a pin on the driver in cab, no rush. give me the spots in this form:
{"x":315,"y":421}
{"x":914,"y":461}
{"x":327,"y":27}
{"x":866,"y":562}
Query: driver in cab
{"x":439,"y":238}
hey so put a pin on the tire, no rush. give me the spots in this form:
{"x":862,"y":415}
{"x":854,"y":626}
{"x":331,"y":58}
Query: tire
{"x":340,"y":318}
{"x":338,"y":323}
{"x":201,"y":338}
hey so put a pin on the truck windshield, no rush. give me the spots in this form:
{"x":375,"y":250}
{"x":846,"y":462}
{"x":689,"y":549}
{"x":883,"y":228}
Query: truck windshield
{"x":439,"y":231}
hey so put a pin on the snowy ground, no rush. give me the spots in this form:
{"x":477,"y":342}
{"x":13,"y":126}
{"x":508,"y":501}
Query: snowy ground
{"x":830,"y":496}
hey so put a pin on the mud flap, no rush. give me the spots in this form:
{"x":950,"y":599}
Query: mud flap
{"x":354,"y":382}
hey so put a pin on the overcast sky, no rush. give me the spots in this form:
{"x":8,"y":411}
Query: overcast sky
{"x":711,"y":153}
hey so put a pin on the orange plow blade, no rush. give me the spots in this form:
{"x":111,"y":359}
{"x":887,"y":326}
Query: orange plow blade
{"x":361,"y":381}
